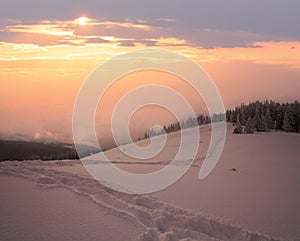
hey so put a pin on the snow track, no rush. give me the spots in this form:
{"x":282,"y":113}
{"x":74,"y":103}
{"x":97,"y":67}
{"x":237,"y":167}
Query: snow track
{"x":159,"y":220}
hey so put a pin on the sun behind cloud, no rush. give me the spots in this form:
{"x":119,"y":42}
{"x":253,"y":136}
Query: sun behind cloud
{"x":82,"y":20}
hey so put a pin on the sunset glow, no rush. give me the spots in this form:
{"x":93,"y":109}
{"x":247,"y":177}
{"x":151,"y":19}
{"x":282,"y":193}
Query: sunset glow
{"x":51,"y":57}
{"x":82,"y":20}
{"x":149,"y":120}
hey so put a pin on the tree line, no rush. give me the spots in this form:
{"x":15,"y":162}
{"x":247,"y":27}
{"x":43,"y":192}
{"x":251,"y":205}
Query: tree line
{"x":20,"y":150}
{"x":265,"y":116}
{"x":257,"y":116}
{"x":185,"y":124}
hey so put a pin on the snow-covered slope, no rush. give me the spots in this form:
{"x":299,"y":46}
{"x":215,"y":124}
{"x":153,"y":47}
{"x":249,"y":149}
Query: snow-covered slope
{"x":261,"y":195}
{"x":155,"y":219}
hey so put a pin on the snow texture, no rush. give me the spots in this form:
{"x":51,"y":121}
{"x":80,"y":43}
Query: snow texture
{"x":157,"y":219}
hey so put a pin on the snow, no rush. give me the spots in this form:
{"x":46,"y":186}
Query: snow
{"x":59,"y":200}
{"x":262,"y":195}
{"x":31,"y":213}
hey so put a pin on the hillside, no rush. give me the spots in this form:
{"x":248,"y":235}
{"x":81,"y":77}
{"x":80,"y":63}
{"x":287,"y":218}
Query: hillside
{"x":21,"y":150}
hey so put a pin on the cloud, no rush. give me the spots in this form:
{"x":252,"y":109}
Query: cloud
{"x":47,"y":48}
{"x":82,"y":31}
{"x":74,"y":32}
{"x":267,"y":52}
{"x":168,"y":41}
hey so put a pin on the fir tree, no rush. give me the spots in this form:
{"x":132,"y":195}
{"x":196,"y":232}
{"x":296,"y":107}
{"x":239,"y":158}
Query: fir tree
{"x":288,"y":121}
{"x":249,"y":127}
{"x":232,"y":117}
{"x":238,"y":129}
{"x":262,"y":124}
{"x":242,"y":115}
{"x":269,"y":119}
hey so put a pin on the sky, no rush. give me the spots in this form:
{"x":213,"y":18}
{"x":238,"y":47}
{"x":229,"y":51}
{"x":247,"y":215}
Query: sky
{"x":251,"y":49}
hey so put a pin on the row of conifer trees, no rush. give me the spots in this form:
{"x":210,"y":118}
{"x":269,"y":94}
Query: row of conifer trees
{"x":264,"y":116}
{"x":256,"y":116}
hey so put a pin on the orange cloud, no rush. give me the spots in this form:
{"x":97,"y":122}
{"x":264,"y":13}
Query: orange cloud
{"x":280,"y":53}
{"x":48,"y":29}
{"x":43,"y":64}
{"x":162,"y":41}
{"x":73,"y":32}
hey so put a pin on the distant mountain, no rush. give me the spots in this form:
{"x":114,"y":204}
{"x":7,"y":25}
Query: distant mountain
{"x":19,"y":137}
{"x":26,"y":150}
{"x":46,"y":140}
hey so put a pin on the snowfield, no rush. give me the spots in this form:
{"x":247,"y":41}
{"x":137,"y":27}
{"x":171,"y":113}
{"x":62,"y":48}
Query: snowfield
{"x":59,"y":200}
